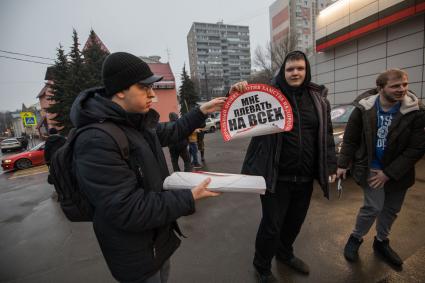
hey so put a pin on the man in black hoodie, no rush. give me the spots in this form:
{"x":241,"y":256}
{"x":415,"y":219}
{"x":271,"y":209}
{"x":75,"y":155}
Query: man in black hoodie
{"x":290,"y":162}
{"x":134,"y":218}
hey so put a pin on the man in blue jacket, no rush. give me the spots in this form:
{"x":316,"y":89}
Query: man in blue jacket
{"x":134,"y":218}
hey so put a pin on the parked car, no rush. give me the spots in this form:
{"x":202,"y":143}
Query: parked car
{"x":217,"y":122}
{"x":10,"y":144}
{"x":339,"y":116}
{"x":210,"y":125}
{"x":26,"y":159}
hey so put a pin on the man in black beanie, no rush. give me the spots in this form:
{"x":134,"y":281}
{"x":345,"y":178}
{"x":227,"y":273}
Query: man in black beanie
{"x":289,"y":162}
{"x":134,"y":218}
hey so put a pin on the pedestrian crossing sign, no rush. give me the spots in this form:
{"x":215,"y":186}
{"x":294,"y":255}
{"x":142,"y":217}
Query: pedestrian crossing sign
{"x":29,"y":119}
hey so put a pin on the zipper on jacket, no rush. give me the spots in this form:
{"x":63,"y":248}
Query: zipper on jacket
{"x":154,"y":251}
{"x":299,"y":134}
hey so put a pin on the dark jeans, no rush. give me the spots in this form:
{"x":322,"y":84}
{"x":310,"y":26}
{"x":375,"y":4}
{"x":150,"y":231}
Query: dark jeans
{"x":184,"y":154}
{"x":283,"y":214}
{"x":193,"y":150}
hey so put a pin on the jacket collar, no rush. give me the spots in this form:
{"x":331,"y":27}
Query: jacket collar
{"x":367,"y":100}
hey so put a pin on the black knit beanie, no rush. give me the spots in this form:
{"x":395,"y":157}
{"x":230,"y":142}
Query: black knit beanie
{"x":120,"y":70}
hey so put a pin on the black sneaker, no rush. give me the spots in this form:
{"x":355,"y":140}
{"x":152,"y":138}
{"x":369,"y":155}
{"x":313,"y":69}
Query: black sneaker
{"x":265,"y":277}
{"x":197,"y":166}
{"x":351,"y":250}
{"x":383,"y":249}
{"x":296,"y":264}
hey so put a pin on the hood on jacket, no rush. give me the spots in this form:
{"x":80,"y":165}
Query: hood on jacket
{"x":280,"y":79}
{"x":91,"y":106}
{"x":367,"y":100}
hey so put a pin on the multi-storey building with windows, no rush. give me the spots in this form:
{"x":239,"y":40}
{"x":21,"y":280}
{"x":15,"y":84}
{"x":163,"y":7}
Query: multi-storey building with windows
{"x":356,"y":40}
{"x":295,"y":18}
{"x":219,"y":55}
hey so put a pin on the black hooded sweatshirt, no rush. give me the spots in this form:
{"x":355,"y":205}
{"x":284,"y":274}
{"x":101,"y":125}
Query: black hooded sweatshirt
{"x":134,"y":219}
{"x":304,"y":149}
{"x":299,"y":152}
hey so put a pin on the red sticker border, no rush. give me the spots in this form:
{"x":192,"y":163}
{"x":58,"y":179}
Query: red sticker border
{"x":277,"y":94}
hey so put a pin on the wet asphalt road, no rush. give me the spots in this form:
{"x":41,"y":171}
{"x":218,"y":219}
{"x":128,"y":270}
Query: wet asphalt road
{"x":37,"y":244}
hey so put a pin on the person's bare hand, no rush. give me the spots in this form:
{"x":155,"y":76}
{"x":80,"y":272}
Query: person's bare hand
{"x":377,"y":181}
{"x":332,"y":178}
{"x":341,"y":172}
{"x":201,"y":190}
{"x":213,"y":105}
{"x":239,"y":86}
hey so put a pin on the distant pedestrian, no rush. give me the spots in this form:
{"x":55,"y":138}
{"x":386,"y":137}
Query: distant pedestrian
{"x":383,"y":140}
{"x":179,"y":149}
{"x":193,"y":149}
{"x":201,"y":144}
{"x":24,"y":141}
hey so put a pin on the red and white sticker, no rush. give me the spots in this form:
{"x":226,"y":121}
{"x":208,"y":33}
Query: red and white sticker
{"x":260,"y":110}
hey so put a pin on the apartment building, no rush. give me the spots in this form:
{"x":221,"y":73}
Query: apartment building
{"x":219,"y":55}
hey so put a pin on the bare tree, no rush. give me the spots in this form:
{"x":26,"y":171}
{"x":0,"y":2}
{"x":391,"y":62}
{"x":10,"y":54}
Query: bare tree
{"x":271,"y":57}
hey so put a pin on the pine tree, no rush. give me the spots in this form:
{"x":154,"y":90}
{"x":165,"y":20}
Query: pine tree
{"x":94,"y":56}
{"x":188,"y":95}
{"x":70,"y":78}
{"x":59,"y":88}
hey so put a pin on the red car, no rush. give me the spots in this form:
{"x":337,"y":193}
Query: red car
{"x":26,"y":159}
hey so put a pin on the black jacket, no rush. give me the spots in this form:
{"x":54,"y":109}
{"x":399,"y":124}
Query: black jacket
{"x":405,"y":141}
{"x":264,"y":152}
{"x":176,"y":148}
{"x":134,"y":218}
{"x":53,"y":143}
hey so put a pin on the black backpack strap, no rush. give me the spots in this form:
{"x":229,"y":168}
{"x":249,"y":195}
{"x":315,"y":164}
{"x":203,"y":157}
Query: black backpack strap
{"x":115,"y":132}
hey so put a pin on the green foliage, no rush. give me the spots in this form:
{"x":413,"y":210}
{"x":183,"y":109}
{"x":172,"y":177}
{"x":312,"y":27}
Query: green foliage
{"x":72,"y":74}
{"x":188,"y":95}
{"x":94,"y":56}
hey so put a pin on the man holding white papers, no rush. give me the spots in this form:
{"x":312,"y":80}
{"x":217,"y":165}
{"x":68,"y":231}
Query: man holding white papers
{"x":289,"y":162}
{"x":134,"y":218}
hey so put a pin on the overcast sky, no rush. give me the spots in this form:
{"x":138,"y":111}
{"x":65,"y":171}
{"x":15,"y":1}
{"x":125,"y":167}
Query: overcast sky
{"x":140,"y":27}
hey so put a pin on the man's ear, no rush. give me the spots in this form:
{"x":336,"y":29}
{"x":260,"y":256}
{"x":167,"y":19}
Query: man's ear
{"x":121,"y":94}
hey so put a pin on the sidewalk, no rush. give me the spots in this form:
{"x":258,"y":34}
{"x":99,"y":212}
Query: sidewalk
{"x":413,"y":270}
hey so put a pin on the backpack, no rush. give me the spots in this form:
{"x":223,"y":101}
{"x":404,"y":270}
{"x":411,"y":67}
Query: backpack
{"x":74,"y":203}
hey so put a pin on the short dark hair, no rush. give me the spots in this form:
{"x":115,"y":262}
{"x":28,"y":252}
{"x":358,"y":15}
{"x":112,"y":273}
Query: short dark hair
{"x":294,"y":56}
{"x":53,"y":131}
{"x":383,"y":78}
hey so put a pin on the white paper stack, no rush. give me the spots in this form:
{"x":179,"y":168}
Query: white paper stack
{"x":220,"y":182}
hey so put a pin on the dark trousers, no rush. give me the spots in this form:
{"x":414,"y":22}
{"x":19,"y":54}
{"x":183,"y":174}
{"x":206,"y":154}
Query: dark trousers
{"x":193,"y":150}
{"x":283,"y":214}
{"x":184,"y":154}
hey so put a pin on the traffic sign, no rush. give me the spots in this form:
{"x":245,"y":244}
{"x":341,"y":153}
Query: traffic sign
{"x":29,"y":119}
